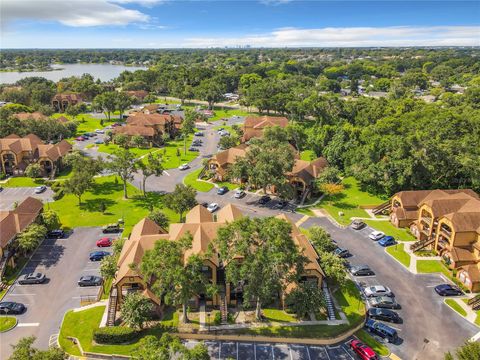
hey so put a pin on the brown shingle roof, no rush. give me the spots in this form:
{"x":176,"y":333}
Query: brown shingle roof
{"x":308,"y":170}
{"x":141,"y":119}
{"x":69,"y":97}
{"x":132,"y":130}
{"x":461,"y":254}
{"x":260,"y":122}
{"x":14,"y":222}
{"x":17,"y":145}
{"x":412,"y":198}
{"x":35,"y":116}
{"x":229,"y":156}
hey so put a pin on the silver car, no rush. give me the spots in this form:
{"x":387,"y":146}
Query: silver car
{"x":32,"y":278}
{"x":377,"y":290}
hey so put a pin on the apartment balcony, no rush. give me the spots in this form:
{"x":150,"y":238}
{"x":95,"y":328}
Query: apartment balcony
{"x":426,"y":220}
{"x":425,"y":231}
{"x":445,"y":232}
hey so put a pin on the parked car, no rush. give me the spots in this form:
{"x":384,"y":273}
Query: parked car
{"x":32,"y":278}
{"x":363,"y":351}
{"x":385,"y":302}
{"x":104,"y":242}
{"x":199,"y":133}
{"x":343,"y":253}
{"x":90,"y":280}
{"x":382,"y":330}
{"x":280,"y":204}
{"x":357,"y":224}
{"x":448,"y":290}
{"x":383,"y":314}
{"x":56,"y":234}
{"x":11,"y":307}
{"x":377,"y":290}
{"x":222,"y":190}
{"x":100,"y":131}
{"x":40,"y":189}
{"x":191,"y":148}
{"x":239,"y":193}
{"x":361,"y":270}
{"x":98,"y":255}
{"x":387,"y":241}
{"x":184,"y":167}
{"x":376,"y":235}
{"x":264,"y":199}
{"x":212,"y":207}
{"x":80,"y":138}
{"x":111,"y":228}
{"x":99,"y":141}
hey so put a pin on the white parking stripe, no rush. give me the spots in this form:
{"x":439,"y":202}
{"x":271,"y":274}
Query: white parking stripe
{"x":28,"y":324}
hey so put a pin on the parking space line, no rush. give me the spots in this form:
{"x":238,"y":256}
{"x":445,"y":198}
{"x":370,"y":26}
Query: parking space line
{"x":326,"y":352}
{"x":255,"y":351}
{"x":273,"y":353}
{"x":21,"y":294}
{"x":308,"y":353}
{"x":348,"y":353}
{"x":28,"y":324}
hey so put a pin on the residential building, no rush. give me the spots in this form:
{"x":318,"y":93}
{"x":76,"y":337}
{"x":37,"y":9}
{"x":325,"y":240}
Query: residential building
{"x":302,"y":176}
{"x":203,"y":227}
{"x":138,"y":94}
{"x":17,"y":153}
{"x":446,"y":221}
{"x":151,"y":126}
{"x":12,"y":223}
{"x":34,"y":115}
{"x":60,"y":102}
{"x":254,"y":125}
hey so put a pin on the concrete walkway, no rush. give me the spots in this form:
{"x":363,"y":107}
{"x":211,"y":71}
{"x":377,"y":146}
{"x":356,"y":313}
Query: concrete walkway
{"x":202,"y":317}
{"x":471,"y":314}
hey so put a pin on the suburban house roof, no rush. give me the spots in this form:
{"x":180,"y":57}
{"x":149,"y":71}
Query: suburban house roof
{"x":229,"y":156}
{"x":34,"y":115}
{"x":54,"y":152}
{"x":308,"y":170}
{"x":413,"y":198}
{"x":461,"y":254}
{"x":140,"y":94}
{"x":69,"y":97}
{"x":472,"y":271}
{"x":142,"y":119}
{"x":15,"y":221}
{"x":133,"y":130}
{"x":254,"y":125}
{"x":16,"y":144}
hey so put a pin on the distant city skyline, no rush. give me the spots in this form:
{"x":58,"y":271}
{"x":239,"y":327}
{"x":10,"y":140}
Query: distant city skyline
{"x":265,"y":23}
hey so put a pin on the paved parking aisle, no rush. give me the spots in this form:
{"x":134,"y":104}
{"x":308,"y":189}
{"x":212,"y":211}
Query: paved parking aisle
{"x":8,"y":196}
{"x":63,"y":261}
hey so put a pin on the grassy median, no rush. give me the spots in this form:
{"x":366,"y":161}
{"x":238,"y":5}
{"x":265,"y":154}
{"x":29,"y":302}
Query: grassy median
{"x":399,"y":253}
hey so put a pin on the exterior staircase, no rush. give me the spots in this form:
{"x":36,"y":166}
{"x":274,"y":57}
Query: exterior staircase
{"x":421,"y":244}
{"x":328,"y":301}
{"x":304,"y":196}
{"x":223,"y":309}
{"x":382,"y":208}
{"x":112,"y":307}
{"x":474,"y":302}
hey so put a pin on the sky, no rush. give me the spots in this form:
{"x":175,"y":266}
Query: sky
{"x":255,"y":23}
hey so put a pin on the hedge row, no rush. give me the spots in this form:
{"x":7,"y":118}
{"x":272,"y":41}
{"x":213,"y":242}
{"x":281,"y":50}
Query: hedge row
{"x":115,"y":335}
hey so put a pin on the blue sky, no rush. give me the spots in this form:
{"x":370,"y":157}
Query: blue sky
{"x":267,"y":23}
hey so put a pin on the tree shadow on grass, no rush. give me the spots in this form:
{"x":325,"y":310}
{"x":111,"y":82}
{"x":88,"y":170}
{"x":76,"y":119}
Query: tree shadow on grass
{"x":95,"y":205}
{"x":106,"y":188}
{"x":150,"y":201}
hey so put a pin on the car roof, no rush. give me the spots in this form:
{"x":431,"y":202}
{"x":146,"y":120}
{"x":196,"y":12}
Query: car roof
{"x":376,"y":232}
{"x":378,"y":287}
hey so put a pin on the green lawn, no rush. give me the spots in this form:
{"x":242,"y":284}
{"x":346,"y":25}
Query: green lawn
{"x":220,"y":114}
{"x":387,"y":227}
{"x":277,"y":315}
{"x":86,"y":122}
{"x":349,"y":202}
{"x":351,"y":303}
{"x":379,"y":348}
{"x":106,"y":190}
{"x":6,"y":323}
{"x":398,"y":252}
{"x":138,"y":152}
{"x":82,"y":324}
{"x":308,"y":155}
{"x":432,"y":266}
{"x":230,"y":186}
{"x":456,"y":306}
{"x":191,"y":179}
{"x":23,"y":181}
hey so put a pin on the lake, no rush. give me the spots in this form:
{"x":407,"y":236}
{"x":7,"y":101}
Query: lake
{"x":104,"y":72}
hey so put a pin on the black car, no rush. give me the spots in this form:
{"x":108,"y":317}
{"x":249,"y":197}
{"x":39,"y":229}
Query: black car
{"x":448,"y":290}
{"x":222,"y":190}
{"x":10,"y":307}
{"x":361,"y":270}
{"x":264,"y":199}
{"x":193,"y":149}
{"x":280,"y":204}
{"x":32,"y":278}
{"x":90,"y":280}
{"x":98,"y":255}
{"x":343,"y":253}
{"x":199,"y":133}
{"x":56,"y":234}
{"x":384,"y":315}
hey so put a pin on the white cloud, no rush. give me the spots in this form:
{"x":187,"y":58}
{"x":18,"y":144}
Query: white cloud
{"x":350,"y":37}
{"x":275,"y":2}
{"x":76,"y":13}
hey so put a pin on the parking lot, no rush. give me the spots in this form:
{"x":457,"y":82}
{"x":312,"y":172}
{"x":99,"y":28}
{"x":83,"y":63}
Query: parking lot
{"x":429,"y":328}
{"x":8,"y":196}
{"x":63,"y":261}
{"x":261,"y":351}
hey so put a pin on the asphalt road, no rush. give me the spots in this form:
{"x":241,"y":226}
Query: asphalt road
{"x":8,"y":196}
{"x":63,"y":261}
{"x":429,"y":327}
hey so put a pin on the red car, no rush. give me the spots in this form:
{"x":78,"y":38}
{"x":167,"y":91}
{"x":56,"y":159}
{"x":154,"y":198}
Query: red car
{"x":363,"y":351}
{"x":104,"y":242}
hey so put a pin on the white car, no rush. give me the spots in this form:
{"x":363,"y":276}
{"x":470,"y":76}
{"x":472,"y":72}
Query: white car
{"x":239,"y":193}
{"x":100,"y":131}
{"x":212,"y":207}
{"x":109,"y":127}
{"x":40,"y":189}
{"x":183,"y":167}
{"x":376,"y":235}
{"x":377,"y":290}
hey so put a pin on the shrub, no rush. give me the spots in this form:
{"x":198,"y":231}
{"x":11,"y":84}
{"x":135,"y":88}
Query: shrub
{"x":217,"y":318}
{"x":58,"y":194}
{"x":115,"y":335}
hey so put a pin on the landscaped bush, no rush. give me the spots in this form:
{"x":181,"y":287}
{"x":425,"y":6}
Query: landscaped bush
{"x":58,"y":194}
{"x":217,"y":318}
{"x":115,"y":335}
